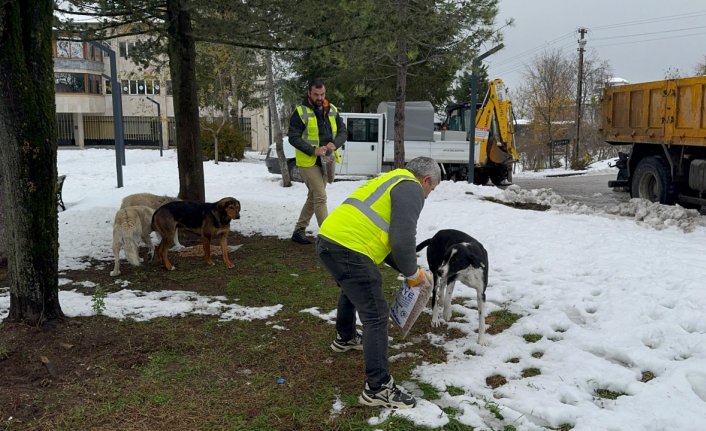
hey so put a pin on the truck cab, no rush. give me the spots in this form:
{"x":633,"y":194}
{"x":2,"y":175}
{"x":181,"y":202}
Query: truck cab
{"x":361,"y":155}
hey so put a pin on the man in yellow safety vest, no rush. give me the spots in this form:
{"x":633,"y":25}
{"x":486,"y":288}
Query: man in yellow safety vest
{"x":315,"y":130}
{"x":377,"y":223}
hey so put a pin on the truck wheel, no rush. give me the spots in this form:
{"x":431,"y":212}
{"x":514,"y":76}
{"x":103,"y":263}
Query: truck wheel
{"x":294,"y":171}
{"x":652,"y":181}
{"x":498,"y":176}
{"x":480,"y":178}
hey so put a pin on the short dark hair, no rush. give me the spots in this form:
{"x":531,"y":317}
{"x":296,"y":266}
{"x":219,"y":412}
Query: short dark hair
{"x":316,"y":82}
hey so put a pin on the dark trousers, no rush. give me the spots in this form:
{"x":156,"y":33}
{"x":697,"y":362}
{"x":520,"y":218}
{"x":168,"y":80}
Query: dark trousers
{"x":361,"y":290}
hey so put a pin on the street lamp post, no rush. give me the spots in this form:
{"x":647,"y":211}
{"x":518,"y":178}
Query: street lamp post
{"x":159,"y":119}
{"x":117,"y":111}
{"x":475,"y":64}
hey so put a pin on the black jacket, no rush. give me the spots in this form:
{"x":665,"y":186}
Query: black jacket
{"x":297,"y":129}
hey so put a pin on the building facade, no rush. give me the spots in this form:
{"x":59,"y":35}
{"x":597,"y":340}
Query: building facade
{"x":84,"y":104}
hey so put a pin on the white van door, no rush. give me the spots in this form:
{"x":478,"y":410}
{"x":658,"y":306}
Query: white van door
{"x":362,"y":152}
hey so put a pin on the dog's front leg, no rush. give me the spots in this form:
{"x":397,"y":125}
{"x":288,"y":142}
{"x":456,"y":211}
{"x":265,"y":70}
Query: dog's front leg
{"x":224,"y":250}
{"x":482,"y":339}
{"x":448,"y":294}
{"x":439,"y":296}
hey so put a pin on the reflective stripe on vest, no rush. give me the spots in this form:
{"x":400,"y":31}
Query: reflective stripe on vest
{"x":311,"y":133}
{"x":365,"y":206}
{"x":362,"y":222}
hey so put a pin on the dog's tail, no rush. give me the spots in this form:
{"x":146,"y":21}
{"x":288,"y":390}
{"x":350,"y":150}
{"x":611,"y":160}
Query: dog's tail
{"x":423,"y":244}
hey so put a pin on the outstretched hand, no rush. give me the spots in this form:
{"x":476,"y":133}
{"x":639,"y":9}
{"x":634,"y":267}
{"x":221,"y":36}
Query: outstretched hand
{"x":420,"y":278}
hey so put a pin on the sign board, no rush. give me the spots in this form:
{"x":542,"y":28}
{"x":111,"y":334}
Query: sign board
{"x":559,"y":142}
{"x":482,"y":133}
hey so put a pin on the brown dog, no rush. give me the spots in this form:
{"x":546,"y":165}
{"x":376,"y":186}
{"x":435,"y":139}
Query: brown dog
{"x":153,"y":201}
{"x":206,"y":219}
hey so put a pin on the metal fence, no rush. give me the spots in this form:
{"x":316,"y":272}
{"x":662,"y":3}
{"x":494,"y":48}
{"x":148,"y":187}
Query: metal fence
{"x":65,"y":129}
{"x":143,"y":131}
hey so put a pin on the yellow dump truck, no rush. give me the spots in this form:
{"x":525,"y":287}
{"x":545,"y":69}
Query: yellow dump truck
{"x":664,"y":122}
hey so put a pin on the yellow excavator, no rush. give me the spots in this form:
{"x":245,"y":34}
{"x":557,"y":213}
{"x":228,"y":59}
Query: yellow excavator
{"x":494,"y":134}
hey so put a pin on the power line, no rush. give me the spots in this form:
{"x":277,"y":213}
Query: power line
{"x":652,"y":20}
{"x":647,"y":40}
{"x":648,"y":33}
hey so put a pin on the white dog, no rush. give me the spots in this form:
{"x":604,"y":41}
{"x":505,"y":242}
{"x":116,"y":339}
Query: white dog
{"x":153,"y":201}
{"x":130,"y":225}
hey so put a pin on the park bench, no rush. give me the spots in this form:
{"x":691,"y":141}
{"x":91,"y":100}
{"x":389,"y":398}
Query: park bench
{"x":59,"y":186}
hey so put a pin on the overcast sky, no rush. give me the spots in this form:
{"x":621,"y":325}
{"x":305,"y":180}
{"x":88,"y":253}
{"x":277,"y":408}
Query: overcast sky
{"x":640,"y":39}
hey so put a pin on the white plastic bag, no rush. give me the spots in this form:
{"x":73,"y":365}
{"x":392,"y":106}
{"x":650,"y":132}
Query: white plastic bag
{"x":407,"y":304}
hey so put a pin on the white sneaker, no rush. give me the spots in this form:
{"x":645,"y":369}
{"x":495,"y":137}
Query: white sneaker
{"x":389,"y":395}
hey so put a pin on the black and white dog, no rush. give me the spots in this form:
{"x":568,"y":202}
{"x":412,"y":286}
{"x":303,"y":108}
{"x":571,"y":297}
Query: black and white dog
{"x":453,"y":255}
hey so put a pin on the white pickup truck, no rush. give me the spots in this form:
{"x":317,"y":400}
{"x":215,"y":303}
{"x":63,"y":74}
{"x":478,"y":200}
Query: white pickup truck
{"x":369,"y":149}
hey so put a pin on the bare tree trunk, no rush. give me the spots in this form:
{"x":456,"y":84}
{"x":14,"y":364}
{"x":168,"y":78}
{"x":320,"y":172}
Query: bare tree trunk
{"x":182,"y":64}
{"x":28,"y":161}
{"x":401,"y":87}
{"x":276,"y":129}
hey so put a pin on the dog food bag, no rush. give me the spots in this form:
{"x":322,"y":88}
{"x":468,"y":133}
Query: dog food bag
{"x":408,"y":304}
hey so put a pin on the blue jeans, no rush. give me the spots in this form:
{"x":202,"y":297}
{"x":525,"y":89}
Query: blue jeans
{"x":361,"y":290}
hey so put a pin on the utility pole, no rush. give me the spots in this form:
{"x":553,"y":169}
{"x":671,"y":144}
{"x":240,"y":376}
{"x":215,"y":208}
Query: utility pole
{"x":582,"y":44}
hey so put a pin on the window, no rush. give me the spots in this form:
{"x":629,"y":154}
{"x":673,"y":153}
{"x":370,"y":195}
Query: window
{"x":94,"y":84}
{"x":140,"y":86}
{"x":69,"y":49}
{"x":363,"y":129}
{"x":124,"y":48}
{"x":95,"y":54}
{"x":108,"y":87}
{"x":169,"y":87}
{"x":69,"y":83}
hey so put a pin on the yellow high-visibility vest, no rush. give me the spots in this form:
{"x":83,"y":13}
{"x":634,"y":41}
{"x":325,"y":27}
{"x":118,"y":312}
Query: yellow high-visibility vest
{"x":362,"y":222}
{"x":311,"y":134}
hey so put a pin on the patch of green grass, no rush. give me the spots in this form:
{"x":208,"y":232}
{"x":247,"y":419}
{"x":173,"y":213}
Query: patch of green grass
{"x":493,"y":408}
{"x":470,"y":352}
{"x":647,"y":376}
{"x":500,"y":320}
{"x":196,"y":372}
{"x":509,"y":428}
{"x":429,"y":391}
{"x":531,"y":372}
{"x":454,"y":391}
{"x":608,"y":394}
{"x":532,"y":338}
{"x":537,"y":355}
{"x":565,"y":427}
{"x":455,"y":425}
{"x":513,"y":360}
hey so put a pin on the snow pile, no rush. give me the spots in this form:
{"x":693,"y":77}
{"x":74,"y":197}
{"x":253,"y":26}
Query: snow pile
{"x":515,"y":193}
{"x":645,"y":213}
{"x":659,"y":216}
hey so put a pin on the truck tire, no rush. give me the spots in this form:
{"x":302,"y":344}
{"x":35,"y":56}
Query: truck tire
{"x":294,"y":171}
{"x":653,"y":181}
{"x":480,"y":178}
{"x":498,"y":176}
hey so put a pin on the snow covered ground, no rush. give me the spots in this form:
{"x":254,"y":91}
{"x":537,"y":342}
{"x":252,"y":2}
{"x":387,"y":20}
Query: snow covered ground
{"x":613,"y":294}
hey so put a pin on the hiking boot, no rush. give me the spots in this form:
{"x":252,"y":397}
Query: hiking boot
{"x":300,"y":237}
{"x":388,"y":395}
{"x":355,"y":343}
